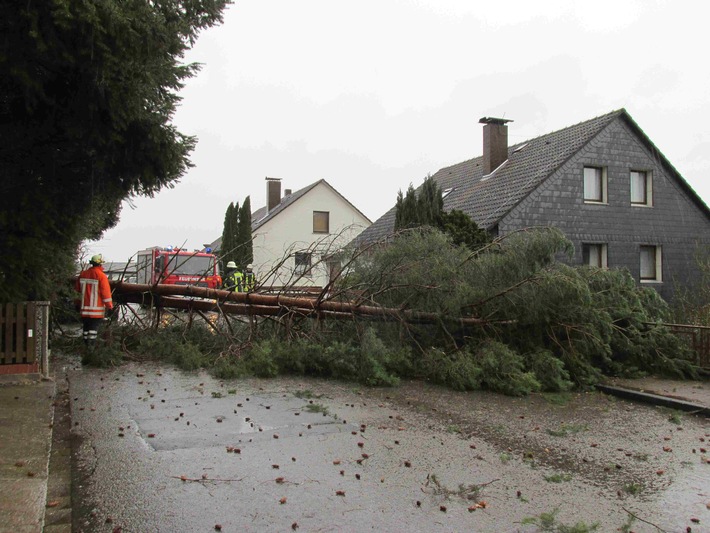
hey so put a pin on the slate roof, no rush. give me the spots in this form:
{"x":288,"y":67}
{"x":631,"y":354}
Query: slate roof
{"x":486,"y":199}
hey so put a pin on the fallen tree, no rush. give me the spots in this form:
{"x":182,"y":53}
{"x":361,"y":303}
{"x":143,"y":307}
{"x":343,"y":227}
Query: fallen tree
{"x":255,"y":304}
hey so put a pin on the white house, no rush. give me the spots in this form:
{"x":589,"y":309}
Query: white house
{"x":296,"y":236}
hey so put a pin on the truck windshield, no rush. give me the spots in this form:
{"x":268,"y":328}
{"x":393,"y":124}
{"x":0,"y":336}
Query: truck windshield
{"x":190,"y":265}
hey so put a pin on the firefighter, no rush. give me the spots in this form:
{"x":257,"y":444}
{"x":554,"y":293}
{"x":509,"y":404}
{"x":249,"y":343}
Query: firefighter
{"x":95,"y":298}
{"x":234,"y":280}
{"x":249,"y":280}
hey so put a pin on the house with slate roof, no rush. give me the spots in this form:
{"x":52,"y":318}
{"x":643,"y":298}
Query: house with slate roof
{"x":296,"y":237}
{"x":602,"y":182}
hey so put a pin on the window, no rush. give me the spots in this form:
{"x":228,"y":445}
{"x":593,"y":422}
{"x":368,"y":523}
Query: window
{"x":595,"y":184}
{"x":650,"y":263}
{"x":594,"y":255}
{"x":321,"y":222}
{"x":302,"y":265}
{"x":641,"y":187}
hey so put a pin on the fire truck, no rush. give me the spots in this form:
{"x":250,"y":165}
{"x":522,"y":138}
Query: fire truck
{"x":176,"y":266}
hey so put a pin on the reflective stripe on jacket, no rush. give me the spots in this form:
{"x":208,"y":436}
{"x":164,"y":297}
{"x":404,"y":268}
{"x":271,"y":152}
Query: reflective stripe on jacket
{"x":234,"y":281}
{"x":249,"y":281}
{"x":95,"y":293}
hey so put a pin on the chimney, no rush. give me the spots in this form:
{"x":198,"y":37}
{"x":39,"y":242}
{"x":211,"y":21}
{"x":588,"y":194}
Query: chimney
{"x":495,"y":142}
{"x":287,"y":192}
{"x":273,"y":193}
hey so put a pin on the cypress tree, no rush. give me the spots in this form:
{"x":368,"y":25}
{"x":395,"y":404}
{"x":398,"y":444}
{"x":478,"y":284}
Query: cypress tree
{"x":229,"y":235}
{"x":427,"y":209}
{"x":244,"y":246}
{"x":430,"y":204}
{"x":407,"y":214}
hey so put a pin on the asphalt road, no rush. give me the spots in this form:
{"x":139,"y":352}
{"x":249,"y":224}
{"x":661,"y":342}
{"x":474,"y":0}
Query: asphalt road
{"x":161,"y":450}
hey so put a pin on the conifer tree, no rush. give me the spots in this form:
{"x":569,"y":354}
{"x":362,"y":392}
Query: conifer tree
{"x":88,"y":90}
{"x":427,"y":209}
{"x":245,"y":249}
{"x":229,"y":235}
{"x":407,"y":213}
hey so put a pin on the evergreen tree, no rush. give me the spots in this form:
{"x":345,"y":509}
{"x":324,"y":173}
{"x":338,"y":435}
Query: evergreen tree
{"x":430,"y":204}
{"x":462,"y":230}
{"x":229,"y":235}
{"x":427,"y":209}
{"x":407,"y":212}
{"x":87,"y":93}
{"x":245,"y":248}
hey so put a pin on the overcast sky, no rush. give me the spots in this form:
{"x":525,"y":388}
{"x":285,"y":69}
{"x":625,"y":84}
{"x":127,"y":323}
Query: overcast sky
{"x":376,"y":94}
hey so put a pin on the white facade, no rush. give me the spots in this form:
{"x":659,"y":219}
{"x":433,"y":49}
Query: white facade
{"x":292,"y":249}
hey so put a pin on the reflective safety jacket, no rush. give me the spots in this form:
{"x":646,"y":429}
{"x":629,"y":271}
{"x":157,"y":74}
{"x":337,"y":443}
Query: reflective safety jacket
{"x":234,"y":281}
{"x":95,"y":292}
{"x":249,"y":281}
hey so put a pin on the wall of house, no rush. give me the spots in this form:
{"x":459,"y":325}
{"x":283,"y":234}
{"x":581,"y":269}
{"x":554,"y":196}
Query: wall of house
{"x":674,"y":222}
{"x":291,"y":231}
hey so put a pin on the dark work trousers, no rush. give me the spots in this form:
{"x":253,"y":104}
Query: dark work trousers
{"x":91,"y":330}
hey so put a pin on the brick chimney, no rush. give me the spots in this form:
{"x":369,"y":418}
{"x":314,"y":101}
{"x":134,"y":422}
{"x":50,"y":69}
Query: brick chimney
{"x":495,"y":142}
{"x":273,"y":193}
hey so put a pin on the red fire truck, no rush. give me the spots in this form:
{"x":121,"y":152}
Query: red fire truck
{"x":176,"y":266}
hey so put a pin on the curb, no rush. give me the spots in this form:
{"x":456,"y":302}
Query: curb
{"x":655,"y":399}
{"x":58,"y":511}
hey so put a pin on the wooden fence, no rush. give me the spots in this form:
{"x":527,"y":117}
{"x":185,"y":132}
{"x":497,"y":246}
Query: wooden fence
{"x":698,"y":338}
{"x":24,"y":331}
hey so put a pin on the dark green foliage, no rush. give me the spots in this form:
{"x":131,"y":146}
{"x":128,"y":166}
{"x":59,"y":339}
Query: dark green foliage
{"x":462,"y":230}
{"x":406,"y":215}
{"x":549,"y":371}
{"x":87,"y":93}
{"x":456,"y":370}
{"x":430,"y":204}
{"x":503,"y":370}
{"x":691,"y":303}
{"x":369,"y":361}
{"x":102,"y":356}
{"x":427,"y":209}
{"x":542,"y":325}
{"x":245,"y":249}
{"x":554,"y":324}
{"x":236,"y":236}
{"x":230,"y":236}
{"x":423,"y":209}
{"x":173,"y":348}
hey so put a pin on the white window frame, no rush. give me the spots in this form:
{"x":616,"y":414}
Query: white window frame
{"x":303,"y":263}
{"x":602,"y":177}
{"x":647,"y":188}
{"x":601,"y":250}
{"x":657,"y":260}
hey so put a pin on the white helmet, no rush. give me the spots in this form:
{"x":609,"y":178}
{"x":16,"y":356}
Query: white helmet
{"x":231,"y":264}
{"x":249,"y":267}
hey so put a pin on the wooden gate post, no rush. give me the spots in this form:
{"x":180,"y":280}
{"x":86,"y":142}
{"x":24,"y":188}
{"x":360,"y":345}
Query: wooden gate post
{"x":42,"y":330}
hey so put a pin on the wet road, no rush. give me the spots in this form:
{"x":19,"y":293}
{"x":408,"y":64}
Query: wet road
{"x":162,"y":450}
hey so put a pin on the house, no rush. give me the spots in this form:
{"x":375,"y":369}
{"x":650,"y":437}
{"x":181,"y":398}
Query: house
{"x":602,"y":182}
{"x":296,"y":237}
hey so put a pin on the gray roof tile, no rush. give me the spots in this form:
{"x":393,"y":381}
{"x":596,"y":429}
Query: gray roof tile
{"x":486,"y":199}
